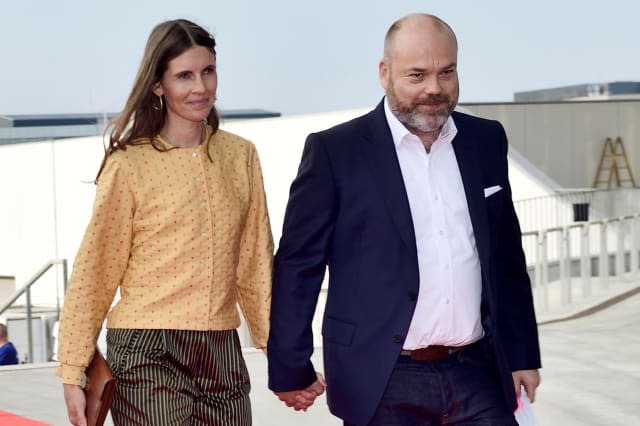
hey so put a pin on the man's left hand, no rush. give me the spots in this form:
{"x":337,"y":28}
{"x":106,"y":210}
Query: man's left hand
{"x":530,"y":379}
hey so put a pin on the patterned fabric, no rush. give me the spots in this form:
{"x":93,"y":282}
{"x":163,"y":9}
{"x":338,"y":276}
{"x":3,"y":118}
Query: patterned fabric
{"x":182,"y":236}
{"x":178,"y":377}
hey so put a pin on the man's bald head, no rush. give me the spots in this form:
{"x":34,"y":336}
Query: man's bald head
{"x":412,"y":23}
{"x":419,"y":73}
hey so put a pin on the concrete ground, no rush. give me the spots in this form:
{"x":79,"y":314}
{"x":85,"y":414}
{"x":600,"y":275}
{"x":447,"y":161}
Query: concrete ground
{"x":36,"y":393}
{"x":590,"y":376}
{"x":591,"y":368}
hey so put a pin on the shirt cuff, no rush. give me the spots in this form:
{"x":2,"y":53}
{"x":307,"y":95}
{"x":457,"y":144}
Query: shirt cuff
{"x":70,"y":374}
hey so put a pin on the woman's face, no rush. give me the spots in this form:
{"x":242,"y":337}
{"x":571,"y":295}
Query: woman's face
{"x":189,"y":85}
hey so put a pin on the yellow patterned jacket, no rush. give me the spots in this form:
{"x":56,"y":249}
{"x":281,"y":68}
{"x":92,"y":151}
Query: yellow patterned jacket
{"x":183,"y":237}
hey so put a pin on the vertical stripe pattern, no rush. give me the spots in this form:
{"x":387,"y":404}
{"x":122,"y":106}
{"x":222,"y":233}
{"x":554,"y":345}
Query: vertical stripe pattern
{"x":178,"y":377}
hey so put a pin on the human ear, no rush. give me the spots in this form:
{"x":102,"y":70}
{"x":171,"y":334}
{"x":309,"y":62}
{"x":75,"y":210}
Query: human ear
{"x":383,"y":71}
{"x":157,"y":89}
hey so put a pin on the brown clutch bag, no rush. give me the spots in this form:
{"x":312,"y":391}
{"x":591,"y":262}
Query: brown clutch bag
{"x":99,"y":390}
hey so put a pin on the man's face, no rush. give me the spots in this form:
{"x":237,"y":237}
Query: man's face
{"x":420,"y":77}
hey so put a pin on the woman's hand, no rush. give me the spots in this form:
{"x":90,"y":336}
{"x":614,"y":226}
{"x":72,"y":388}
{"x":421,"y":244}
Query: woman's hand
{"x":76,"y":404}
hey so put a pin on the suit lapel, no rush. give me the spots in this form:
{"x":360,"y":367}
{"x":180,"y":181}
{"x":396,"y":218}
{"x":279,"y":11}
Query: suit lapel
{"x":467,"y":155}
{"x":385,"y":168}
{"x":383,"y":160}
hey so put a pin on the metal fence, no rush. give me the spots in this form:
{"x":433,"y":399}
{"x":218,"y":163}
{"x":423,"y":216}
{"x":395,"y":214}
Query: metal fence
{"x":579,"y":205}
{"x":568,"y":264}
{"x":24,"y":316}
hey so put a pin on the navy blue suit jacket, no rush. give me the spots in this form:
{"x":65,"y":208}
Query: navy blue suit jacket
{"x":348,"y":210}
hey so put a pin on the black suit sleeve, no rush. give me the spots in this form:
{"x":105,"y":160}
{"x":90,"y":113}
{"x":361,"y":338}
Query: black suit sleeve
{"x":516,"y":319}
{"x":299,"y":269}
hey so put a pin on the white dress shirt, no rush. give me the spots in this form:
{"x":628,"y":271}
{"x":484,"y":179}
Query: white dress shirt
{"x":448,"y":306}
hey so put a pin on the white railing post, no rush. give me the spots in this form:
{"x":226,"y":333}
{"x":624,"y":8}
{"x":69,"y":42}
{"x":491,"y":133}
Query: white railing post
{"x":564,"y":257}
{"x":604,"y":256}
{"x":620,"y":249}
{"x":537,"y":267}
{"x":635,"y":225}
{"x":544,"y":269}
{"x":585,"y":259}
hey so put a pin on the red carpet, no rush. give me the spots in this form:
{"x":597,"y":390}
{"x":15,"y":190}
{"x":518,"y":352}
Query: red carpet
{"x":8,"y":419}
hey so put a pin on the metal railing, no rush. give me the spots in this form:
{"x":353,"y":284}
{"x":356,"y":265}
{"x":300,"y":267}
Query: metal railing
{"x":26,"y":290}
{"x":568,"y":206}
{"x":570,"y":257}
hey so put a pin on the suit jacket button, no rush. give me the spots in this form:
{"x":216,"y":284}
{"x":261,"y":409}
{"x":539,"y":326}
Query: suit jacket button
{"x":413,"y":296}
{"x":398,"y":338}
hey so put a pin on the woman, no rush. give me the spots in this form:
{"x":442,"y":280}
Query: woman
{"x":180,"y":226}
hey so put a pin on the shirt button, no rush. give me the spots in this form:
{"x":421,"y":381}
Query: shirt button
{"x":398,"y":338}
{"x":441,"y":232}
{"x":203,"y":205}
{"x":194,"y":155}
{"x":447,"y":301}
{"x":204,"y":234}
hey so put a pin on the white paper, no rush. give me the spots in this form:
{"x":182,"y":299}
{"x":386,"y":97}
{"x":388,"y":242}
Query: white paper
{"x":524,"y":412}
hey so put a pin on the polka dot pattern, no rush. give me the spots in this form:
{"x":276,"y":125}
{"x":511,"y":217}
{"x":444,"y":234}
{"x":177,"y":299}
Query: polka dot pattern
{"x":184,"y":238}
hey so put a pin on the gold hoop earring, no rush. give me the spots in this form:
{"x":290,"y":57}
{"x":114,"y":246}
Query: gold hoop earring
{"x":161,"y":107}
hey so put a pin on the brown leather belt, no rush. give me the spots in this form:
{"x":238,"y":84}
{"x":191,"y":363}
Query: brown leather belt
{"x":432,"y":353}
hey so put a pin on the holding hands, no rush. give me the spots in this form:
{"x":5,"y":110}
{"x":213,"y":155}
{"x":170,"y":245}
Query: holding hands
{"x":303,"y":398}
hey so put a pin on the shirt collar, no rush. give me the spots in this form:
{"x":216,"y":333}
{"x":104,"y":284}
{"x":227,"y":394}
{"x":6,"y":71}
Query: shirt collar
{"x":166,"y":145}
{"x":399,"y":132}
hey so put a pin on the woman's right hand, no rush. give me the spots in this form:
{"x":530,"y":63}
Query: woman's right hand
{"x":76,"y":404}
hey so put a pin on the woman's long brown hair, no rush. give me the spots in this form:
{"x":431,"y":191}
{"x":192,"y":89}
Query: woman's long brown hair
{"x":142,"y":118}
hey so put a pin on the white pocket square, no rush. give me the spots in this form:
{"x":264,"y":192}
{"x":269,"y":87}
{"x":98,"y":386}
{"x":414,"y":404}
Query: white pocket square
{"x":491,"y":190}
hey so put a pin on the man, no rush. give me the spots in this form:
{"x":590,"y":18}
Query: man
{"x":8,"y":353}
{"x":429,"y":317}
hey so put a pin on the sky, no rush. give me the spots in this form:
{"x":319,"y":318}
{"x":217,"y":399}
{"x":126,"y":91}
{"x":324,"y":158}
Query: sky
{"x":296,"y":56}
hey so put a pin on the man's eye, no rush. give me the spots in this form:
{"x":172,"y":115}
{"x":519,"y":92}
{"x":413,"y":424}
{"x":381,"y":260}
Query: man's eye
{"x":416,"y":75}
{"x":183,"y":75}
{"x":209,"y":70}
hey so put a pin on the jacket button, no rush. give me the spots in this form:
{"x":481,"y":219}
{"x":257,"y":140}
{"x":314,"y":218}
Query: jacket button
{"x":398,"y":338}
{"x":413,"y":296}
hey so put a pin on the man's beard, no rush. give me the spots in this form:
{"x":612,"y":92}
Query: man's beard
{"x":423,"y":121}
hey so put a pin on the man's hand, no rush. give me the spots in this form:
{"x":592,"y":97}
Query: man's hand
{"x":76,"y":403}
{"x":303,"y":398}
{"x":530,"y":379}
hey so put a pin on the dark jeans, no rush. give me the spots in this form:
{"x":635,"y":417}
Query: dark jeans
{"x":462,"y":390}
